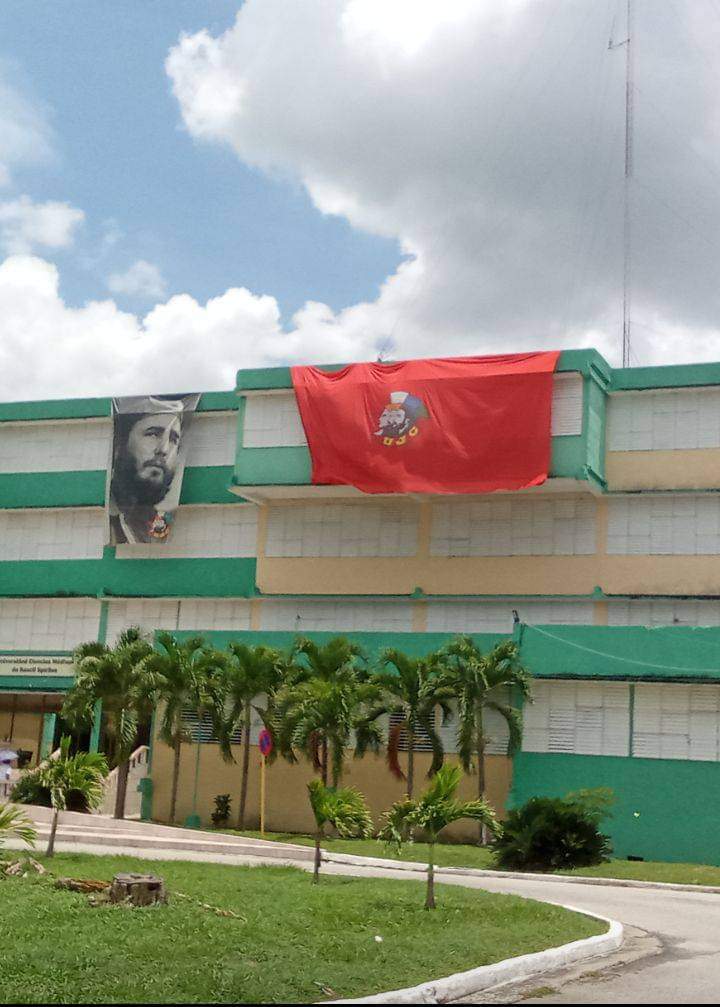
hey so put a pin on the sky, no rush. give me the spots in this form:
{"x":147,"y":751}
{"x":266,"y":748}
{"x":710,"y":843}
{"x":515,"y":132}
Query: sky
{"x":190,"y":188}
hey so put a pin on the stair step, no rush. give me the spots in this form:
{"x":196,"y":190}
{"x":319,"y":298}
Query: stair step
{"x":198,"y":844}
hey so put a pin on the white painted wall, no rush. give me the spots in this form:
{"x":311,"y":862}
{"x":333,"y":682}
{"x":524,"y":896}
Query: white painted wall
{"x":664,"y":420}
{"x":215,"y":530}
{"x":664,"y":612}
{"x":479,"y":616}
{"x":362,"y":529}
{"x":675,"y":721}
{"x":67,"y":533}
{"x":72,"y":446}
{"x":177,"y":613}
{"x":47,"y":623}
{"x":512,"y":526}
{"x":84,"y":445}
{"x":299,"y":615}
{"x":664,"y":525}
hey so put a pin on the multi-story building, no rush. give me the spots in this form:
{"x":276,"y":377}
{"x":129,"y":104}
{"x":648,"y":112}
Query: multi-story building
{"x":613,"y":566}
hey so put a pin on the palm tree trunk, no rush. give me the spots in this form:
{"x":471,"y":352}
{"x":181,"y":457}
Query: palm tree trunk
{"x":430,"y":893}
{"x":245,"y":767}
{"x":53,"y":829}
{"x":316,"y":865}
{"x":122,"y":781}
{"x":177,"y":752}
{"x":197,"y":775}
{"x":480,"y":755}
{"x":324,"y":760}
{"x":410,"y":761}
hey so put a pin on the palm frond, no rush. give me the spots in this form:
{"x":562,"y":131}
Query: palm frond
{"x":15,"y":824}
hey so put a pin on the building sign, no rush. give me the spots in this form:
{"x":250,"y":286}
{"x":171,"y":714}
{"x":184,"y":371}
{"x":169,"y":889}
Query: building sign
{"x":148,"y":461}
{"x":36,"y":666}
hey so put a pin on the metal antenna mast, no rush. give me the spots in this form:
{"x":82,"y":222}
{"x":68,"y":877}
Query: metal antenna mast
{"x":627,"y":186}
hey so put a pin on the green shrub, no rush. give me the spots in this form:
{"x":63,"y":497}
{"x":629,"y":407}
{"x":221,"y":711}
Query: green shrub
{"x":555,"y":833}
{"x":221,"y":815}
{"x":29,"y":790}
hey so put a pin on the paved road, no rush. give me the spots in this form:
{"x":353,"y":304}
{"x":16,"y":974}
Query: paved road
{"x":685,"y":970}
{"x":687,"y":924}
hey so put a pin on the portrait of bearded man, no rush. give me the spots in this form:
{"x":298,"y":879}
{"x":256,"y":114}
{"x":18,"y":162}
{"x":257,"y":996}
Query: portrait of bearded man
{"x":146,"y":469}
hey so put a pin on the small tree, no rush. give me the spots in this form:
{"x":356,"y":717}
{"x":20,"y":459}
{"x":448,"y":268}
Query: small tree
{"x":414,"y":689}
{"x":430,"y":814}
{"x":345,"y":809}
{"x":15,"y":824}
{"x":249,"y":672}
{"x":84,"y":773}
{"x":477,"y":679}
{"x":117,"y":677}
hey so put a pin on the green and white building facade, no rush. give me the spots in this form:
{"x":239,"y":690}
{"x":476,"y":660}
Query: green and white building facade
{"x":613,"y":566}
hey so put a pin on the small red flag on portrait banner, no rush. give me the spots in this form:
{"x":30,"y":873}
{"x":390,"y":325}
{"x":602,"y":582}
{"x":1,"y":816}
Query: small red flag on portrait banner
{"x":453,"y":425}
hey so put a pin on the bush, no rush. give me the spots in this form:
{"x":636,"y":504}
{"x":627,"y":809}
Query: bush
{"x":221,"y":815}
{"x":555,"y":833}
{"x":29,"y":790}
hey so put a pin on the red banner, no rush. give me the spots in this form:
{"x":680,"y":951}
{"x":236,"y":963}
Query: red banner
{"x":454,"y":425}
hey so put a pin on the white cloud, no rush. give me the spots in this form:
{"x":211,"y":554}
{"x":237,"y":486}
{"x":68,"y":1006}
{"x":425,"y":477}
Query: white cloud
{"x":25,"y":225}
{"x":488,"y":138}
{"x":26,"y":134}
{"x":142,"y":279}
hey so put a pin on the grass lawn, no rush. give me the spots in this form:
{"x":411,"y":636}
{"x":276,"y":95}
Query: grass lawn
{"x":460,"y":855}
{"x":293,"y":939}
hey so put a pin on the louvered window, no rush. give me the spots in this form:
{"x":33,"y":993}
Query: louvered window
{"x":422,"y":739}
{"x":204,"y":728}
{"x":580,"y":718}
{"x":674,"y":721}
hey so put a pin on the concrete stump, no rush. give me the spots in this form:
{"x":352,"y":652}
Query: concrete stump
{"x":138,"y":889}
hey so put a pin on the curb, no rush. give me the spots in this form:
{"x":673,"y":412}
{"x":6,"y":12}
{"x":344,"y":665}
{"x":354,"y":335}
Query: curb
{"x":511,"y":970}
{"x":476,"y":872}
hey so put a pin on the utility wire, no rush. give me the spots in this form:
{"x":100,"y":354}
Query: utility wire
{"x":624,"y":660}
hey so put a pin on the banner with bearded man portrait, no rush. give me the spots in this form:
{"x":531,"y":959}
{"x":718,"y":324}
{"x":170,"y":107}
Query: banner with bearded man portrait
{"x":148,"y":461}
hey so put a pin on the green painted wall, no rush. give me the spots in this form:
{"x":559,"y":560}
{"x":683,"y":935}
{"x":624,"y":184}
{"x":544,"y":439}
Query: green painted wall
{"x":666,"y":653}
{"x":201,"y":485}
{"x":665,"y":809}
{"x":15,"y":683}
{"x":415,"y":644}
{"x":78,"y":409}
{"x":132,"y":578}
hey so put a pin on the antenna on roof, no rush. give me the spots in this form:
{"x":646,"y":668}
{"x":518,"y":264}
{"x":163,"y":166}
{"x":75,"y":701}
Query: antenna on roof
{"x":627,"y":190}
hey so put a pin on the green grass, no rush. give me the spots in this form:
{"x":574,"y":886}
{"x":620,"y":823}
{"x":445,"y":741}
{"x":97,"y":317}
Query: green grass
{"x":294,"y":938}
{"x":460,"y":855}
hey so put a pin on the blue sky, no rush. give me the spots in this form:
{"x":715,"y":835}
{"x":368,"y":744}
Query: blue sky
{"x":123,"y":156}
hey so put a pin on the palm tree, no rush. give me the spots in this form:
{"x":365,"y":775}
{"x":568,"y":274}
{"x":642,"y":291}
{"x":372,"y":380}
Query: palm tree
{"x":120,"y":679}
{"x":318,"y":719}
{"x":478,"y":680}
{"x":328,"y":698}
{"x":415,"y":690}
{"x":345,"y":809}
{"x":437,"y":808}
{"x":249,"y":672}
{"x":15,"y":824}
{"x":188,"y":676}
{"x":83,"y":773}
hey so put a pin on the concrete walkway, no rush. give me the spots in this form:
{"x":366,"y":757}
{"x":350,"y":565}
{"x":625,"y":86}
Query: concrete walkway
{"x":686,"y":925}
